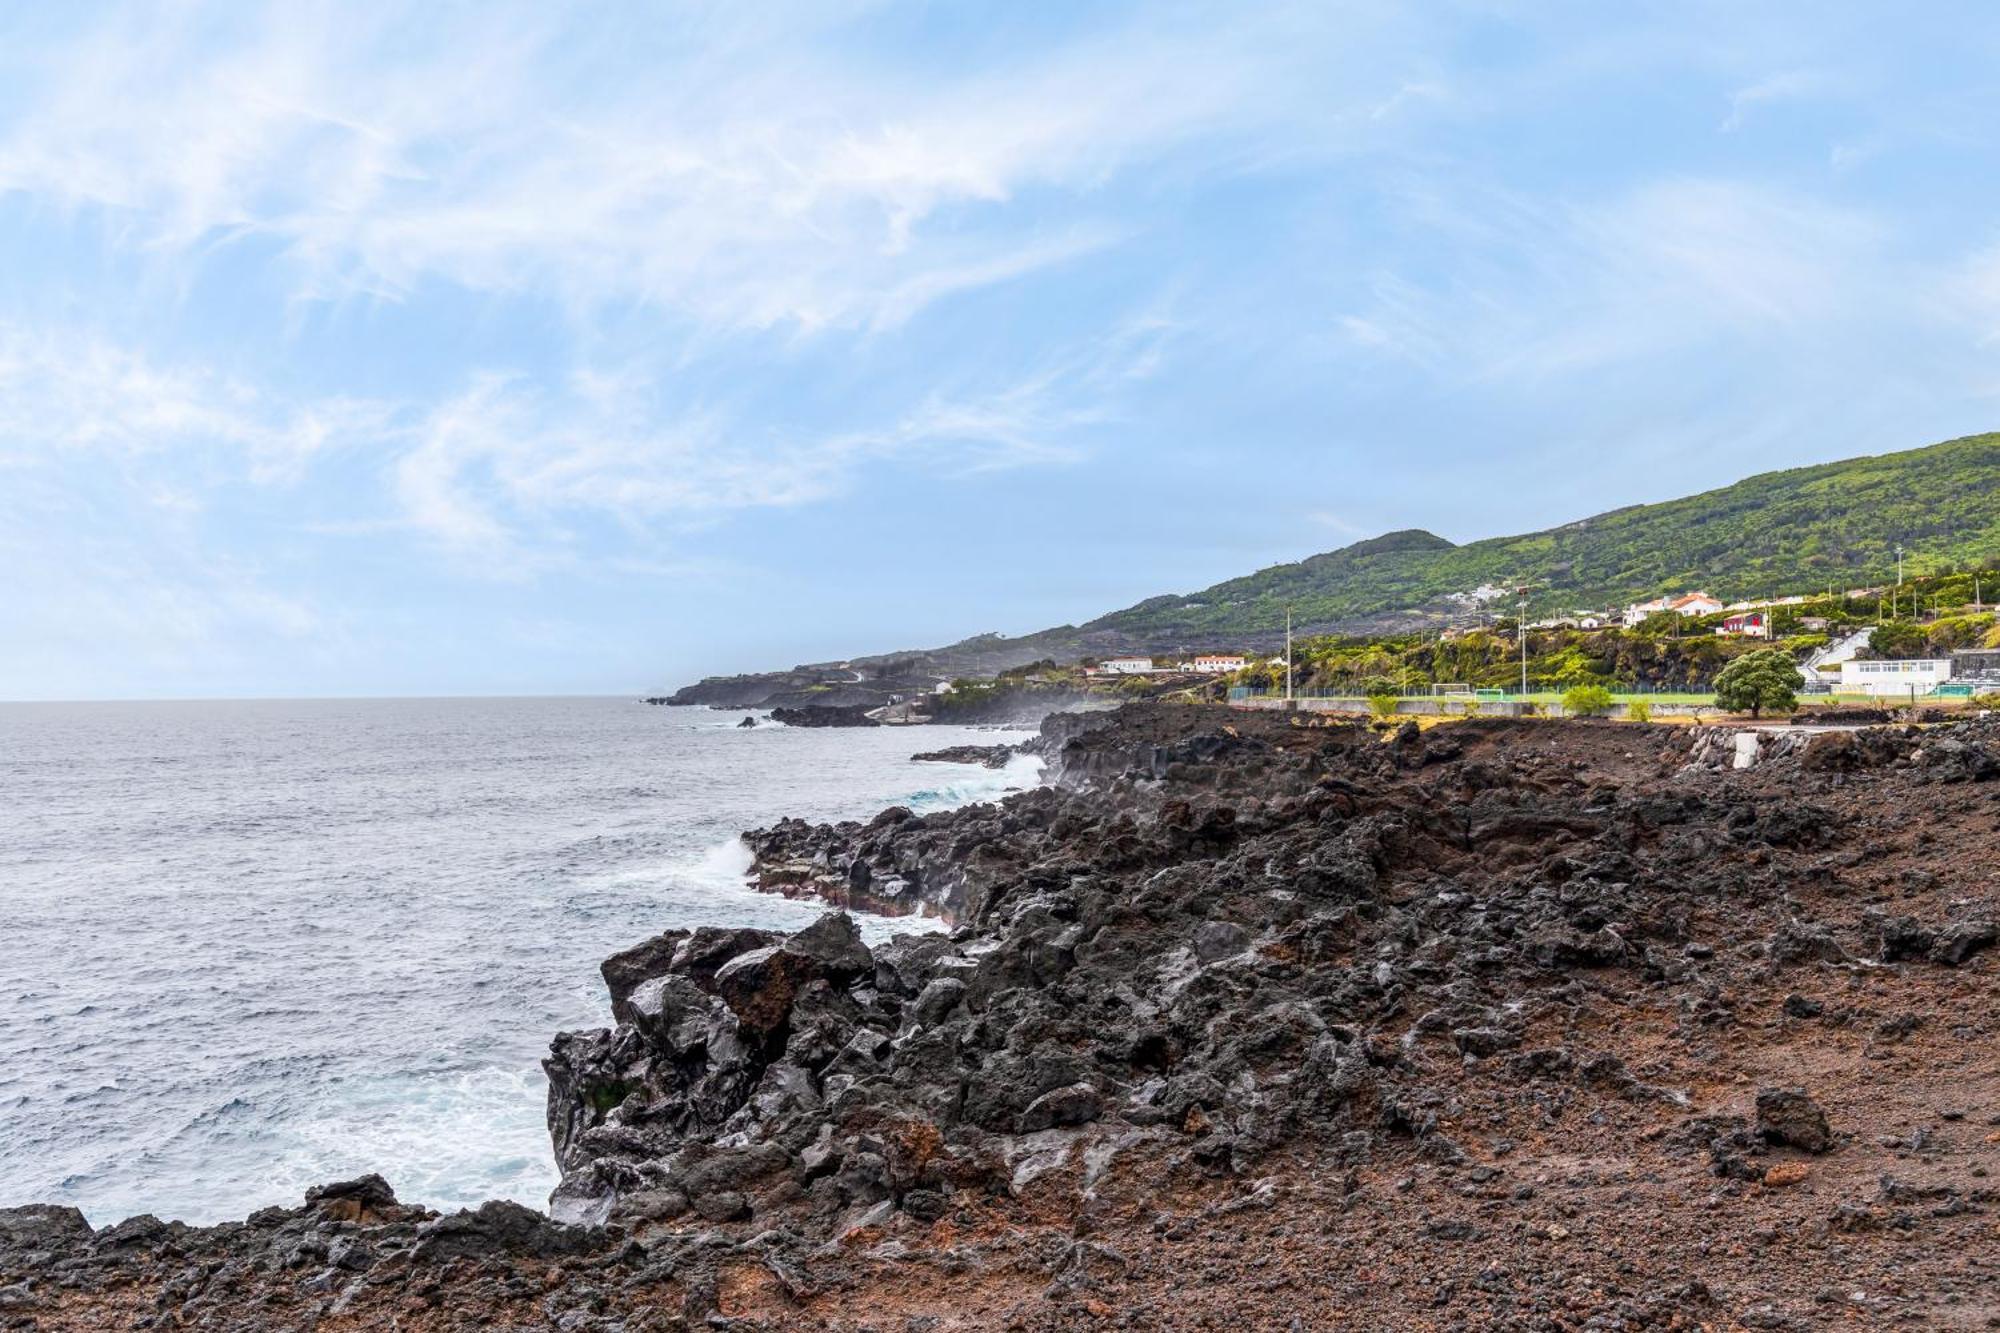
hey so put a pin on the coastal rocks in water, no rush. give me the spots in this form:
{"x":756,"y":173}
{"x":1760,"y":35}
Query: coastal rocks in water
{"x":987,"y":756}
{"x":827,"y":715}
{"x":746,"y":722}
{"x":352,"y":1256}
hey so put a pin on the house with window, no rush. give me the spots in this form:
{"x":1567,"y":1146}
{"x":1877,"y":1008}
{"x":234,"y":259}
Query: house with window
{"x":1748,"y":625}
{"x":1686,"y":604}
{"x":1215,"y":664}
{"x":1125,"y":666}
{"x":1695,"y":604}
{"x":1902,"y":676}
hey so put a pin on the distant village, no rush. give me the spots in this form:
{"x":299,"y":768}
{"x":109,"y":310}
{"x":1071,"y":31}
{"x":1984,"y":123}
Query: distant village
{"x":1843,"y":666}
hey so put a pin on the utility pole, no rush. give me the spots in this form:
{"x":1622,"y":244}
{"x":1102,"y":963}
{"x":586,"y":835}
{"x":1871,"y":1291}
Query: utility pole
{"x":1521,"y":630}
{"x":1899,"y":564}
{"x":1288,"y":655}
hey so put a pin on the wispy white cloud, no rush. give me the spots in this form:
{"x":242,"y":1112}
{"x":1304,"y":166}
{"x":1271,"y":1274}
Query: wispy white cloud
{"x":1542,"y":288}
{"x":503,"y":473}
{"x":66,"y":391}
{"x":497,"y":473}
{"x":724,"y":169}
{"x":1785,"y":86}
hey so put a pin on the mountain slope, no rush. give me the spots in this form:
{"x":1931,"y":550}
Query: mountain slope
{"x":1799,"y":530}
{"x":1776,"y":533}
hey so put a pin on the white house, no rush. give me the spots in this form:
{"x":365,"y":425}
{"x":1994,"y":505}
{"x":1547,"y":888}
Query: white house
{"x":1217,"y":663}
{"x":1638,"y":611}
{"x":1125,"y":666}
{"x":1687,"y":604}
{"x":1695,"y":604}
{"x":1900,"y":676}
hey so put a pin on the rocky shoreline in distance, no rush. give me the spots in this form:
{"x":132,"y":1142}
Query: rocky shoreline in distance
{"x":1240,"y":1024}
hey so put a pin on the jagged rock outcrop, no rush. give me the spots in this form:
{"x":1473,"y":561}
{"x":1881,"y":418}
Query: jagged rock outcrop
{"x":986,"y":756}
{"x":827,"y":715}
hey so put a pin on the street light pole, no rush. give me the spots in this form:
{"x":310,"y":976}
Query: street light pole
{"x":1288,"y":654}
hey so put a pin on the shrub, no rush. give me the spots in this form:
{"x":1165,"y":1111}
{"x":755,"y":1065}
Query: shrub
{"x":1639,"y":711}
{"x":1383,"y":705}
{"x":1898,"y":638}
{"x":1756,"y":681}
{"x":1587,"y":701}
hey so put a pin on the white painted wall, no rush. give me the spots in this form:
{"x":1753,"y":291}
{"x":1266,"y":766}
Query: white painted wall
{"x":1894,"y":677}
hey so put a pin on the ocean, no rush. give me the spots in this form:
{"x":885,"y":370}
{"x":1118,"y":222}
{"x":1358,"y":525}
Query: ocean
{"x":247,"y":947}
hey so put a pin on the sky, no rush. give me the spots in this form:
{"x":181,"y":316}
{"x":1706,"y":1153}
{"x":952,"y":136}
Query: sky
{"x":456,"y":348}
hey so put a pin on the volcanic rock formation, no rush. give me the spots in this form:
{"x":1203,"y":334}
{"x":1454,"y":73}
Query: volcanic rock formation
{"x":1240,"y":1022}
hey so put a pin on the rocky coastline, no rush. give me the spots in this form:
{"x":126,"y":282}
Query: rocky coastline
{"x":826,"y":715}
{"x":1242,"y":1024}
{"x":986,"y":756}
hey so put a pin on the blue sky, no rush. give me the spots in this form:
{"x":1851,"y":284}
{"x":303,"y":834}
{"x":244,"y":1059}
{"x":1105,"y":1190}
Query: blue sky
{"x":456,"y":348}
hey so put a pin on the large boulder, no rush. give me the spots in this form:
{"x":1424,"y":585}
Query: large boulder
{"x":1789,"y":1116}
{"x":759,"y":986}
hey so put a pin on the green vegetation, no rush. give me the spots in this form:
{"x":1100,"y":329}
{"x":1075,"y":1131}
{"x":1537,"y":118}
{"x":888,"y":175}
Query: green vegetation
{"x":1587,"y":701}
{"x":1834,"y":526}
{"x":977,"y":700}
{"x":1756,"y":681}
{"x":1639,"y":711}
{"x":1776,"y":534}
{"x":1558,"y":660}
{"x":1816,"y":531}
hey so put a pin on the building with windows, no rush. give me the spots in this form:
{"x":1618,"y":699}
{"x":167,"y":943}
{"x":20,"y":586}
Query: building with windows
{"x":1749,"y":625}
{"x":1217,"y":663}
{"x":1125,"y":666}
{"x":1904,"y":676}
{"x":1687,"y":604}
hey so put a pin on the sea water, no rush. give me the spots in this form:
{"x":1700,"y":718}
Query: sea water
{"x":247,"y":947}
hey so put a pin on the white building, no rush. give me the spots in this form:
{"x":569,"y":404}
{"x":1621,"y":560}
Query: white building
{"x":1900,"y":676}
{"x":1687,"y":604}
{"x":1125,"y":666}
{"x":1217,"y":663}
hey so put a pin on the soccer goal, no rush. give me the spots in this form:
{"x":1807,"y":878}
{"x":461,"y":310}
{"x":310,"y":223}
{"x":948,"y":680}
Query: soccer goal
{"x":1451,"y":690}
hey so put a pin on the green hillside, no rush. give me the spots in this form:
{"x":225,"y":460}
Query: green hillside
{"x":1773,"y":534}
{"x":1799,"y":531}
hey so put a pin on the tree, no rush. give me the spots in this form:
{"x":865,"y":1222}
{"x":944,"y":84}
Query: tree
{"x":1756,"y":681}
{"x":1897,"y":638}
{"x":1587,"y":701}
